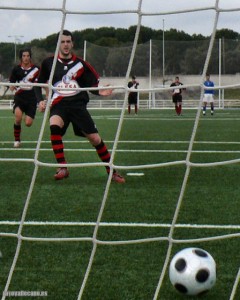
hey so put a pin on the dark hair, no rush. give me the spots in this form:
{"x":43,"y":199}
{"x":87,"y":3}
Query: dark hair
{"x":133,"y":77}
{"x":25,"y":50}
{"x":65,"y":32}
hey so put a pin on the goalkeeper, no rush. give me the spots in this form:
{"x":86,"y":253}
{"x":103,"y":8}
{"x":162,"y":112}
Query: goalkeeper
{"x":70,"y":106}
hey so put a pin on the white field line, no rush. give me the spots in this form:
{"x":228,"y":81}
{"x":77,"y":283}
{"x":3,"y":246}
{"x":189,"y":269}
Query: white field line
{"x":174,"y":118}
{"x":127,"y":150}
{"x":128,"y":142}
{"x":118,"y":224}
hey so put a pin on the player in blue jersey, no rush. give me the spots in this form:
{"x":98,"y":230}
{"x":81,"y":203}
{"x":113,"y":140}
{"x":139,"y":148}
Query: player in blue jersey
{"x":208,"y":96}
{"x":70,"y":106}
{"x":25,"y":101}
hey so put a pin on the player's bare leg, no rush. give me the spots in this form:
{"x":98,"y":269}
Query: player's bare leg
{"x":17,"y":127}
{"x":28,"y":121}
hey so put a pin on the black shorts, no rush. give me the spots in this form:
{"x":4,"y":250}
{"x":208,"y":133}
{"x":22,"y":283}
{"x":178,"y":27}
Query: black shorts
{"x":132,"y":98}
{"x":80,"y":118}
{"x":177,"y":98}
{"x":26,"y":106}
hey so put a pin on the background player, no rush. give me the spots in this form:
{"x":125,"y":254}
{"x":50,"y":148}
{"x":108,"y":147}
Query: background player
{"x":25,"y":101}
{"x":177,"y":95}
{"x":208,"y":96}
{"x":71,"y":106}
{"x":133,"y":95}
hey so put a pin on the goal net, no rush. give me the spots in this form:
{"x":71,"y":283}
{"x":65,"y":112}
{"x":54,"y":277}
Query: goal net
{"x":87,"y":238}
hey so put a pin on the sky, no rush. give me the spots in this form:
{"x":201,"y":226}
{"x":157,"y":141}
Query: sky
{"x":25,"y":20}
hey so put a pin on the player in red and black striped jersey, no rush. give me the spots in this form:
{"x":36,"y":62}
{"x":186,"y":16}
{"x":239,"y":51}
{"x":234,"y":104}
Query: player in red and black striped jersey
{"x":133,"y":95}
{"x":177,"y":95}
{"x":25,"y":101}
{"x":70,"y":106}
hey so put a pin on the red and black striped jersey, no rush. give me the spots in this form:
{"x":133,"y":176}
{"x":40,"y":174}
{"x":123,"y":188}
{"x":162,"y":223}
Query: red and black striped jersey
{"x":20,"y":74}
{"x":69,"y":73}
{"x":177,"y":90}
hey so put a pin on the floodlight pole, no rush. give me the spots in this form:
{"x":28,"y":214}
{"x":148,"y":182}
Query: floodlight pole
{"x":85,"y":50}
{"x":163,"y":53}
{"x":16,"y":39}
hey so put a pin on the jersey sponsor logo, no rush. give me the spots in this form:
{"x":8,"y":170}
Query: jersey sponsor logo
{"x":29,"y":78}
{"x":25,"y":87}
{"x":63,"y":87}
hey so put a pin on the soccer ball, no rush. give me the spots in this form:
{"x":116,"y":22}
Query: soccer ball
{"x":192,"y":271}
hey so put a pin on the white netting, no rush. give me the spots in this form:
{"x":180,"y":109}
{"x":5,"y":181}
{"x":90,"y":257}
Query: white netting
{"x":140,"y":12}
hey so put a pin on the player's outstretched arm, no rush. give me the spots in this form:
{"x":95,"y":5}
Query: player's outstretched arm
{"x":42,"y":105}
{"x":106,"y":92}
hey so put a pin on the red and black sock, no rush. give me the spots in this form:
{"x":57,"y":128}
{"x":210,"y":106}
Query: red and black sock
{"x":136,"y":109}
{"x":103,"y":153}
{"x":57,"y":144}
{"x":180,"y":109}
{"x":17,"y":132}
{"x":176,"y":109}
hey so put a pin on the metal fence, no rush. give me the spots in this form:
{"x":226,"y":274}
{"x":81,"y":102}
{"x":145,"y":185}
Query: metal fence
{"x":176,"y":57}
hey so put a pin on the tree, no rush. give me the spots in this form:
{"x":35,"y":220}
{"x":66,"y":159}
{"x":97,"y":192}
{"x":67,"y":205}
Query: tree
{"x":111,"y":48}
{"x":176,"y":35}
{"x":6,"y":59}
{"x":227,"y":34}
{"x":122,"y":35}
{"x":193,"y":60}
{"x":107,"y":42}
{"x":117,"y":61}
{"x":97,"y":56}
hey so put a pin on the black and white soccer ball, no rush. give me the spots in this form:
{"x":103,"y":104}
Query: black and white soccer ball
{"x":192,"y":271}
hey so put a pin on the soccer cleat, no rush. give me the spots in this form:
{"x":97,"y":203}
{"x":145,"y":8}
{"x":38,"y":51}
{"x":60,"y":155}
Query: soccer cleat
{"x":61,"y":173}
{"x":17,"y":144}
{"x":204,"y":113}
{"x":117,"y":178}
{"x":212,"y":112}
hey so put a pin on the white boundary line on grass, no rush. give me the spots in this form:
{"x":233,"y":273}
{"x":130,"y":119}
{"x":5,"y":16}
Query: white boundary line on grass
{"x":84,"y":141}
{"x":118,"y":224}
{"x":174,"y":118}
{"x":125,"y":150}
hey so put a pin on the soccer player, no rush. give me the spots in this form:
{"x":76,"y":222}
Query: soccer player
{"x":177,"y":95}
{"x":25,"y":101}
{"x":133,"y":95}
{"x":208,"y":96}
{"x":70,"y":106}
